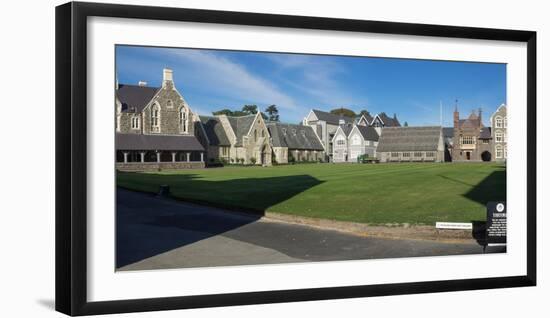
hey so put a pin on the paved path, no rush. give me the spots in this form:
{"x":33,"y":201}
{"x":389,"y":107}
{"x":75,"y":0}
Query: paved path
{"x":157,"y":233}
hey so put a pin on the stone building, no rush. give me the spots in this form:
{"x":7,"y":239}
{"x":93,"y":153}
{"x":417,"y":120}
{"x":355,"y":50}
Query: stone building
{"x":472,"y":141}
{"x":353,"y":140}
{"x":155,"y":128}
{"x":295,"y":141}
{"x":499,"y":133}
{"x":325,"y":125}
{"x":237,"y":138}
{"x":409,"y":144}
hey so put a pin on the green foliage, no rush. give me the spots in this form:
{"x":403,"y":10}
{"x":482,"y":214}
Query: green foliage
{"x":406,"y":124}
{"x":250,"y":109}
{"x":272,"y":113}
{"x":364,"y":112}
{"x":343,"y":111}
{"x":253,"y":160}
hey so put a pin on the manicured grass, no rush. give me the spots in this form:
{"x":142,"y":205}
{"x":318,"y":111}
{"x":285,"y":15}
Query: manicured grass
{"x":420,"y":193}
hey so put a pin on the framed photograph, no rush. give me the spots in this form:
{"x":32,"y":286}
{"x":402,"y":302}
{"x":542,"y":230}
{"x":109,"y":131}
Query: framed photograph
{"x":210,"y":158}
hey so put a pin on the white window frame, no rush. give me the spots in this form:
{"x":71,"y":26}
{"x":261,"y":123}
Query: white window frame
{"x":498,"y":152}
{"x":183,"y":120}
{"x":340,"y":141}
{"x":134,"y":122}
{"x":498,"y":122}
{"x":498,"y":136}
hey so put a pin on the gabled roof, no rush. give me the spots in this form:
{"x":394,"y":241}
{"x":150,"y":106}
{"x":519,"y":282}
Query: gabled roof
{"x":409,"y":139}
{"x":157,"y":142}
{"x":331,"y":118}
{"x":368,"y":118}
{"x":135,"y":96}
{"x":294,"y":136}
{"x":241,"y":126}
{"x":471,"y":122}
{"x":368,"y":132}
{"x":214,"y":131}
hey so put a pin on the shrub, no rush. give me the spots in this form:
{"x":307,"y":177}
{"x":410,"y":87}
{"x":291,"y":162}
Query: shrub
{"x":253,"y":160}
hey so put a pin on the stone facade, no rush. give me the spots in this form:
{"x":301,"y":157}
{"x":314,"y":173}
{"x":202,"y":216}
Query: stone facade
{"x":471,"y":139}
{"x":499,"y":133}
{"x":156,"y":166}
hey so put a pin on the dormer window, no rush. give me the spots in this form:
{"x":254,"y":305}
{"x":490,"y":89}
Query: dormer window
{"x":294,"y":132}
{"x":284,"y":131}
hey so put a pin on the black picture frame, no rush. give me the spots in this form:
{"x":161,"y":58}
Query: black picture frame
{"x":71,"y":157}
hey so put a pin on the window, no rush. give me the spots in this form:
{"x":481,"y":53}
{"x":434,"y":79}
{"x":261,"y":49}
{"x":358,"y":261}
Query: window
{"x":284,"y":131}
{"x":498,"y":136}
{"x":294,"y":132}
{"x":418,"y":154}
{"x":183,"y":120}
{"x":169,"y":104}
{"x":498,"y":152}
{"x":356,"y":140}
{"x":406,"y":154}
{"x":505,"y":123}
{"x":498,"y":122}
{"x":430,"y":154}
{"x":340,"y":141}
{"x":394,"y":154}
{"x":117,"y":123}
{"x":505,"y":137}
{"x":485,"y":141}
{"x":467,"y":140}
{"x":155,"y":118}
{"x":135,"y":122}
{"x":225,"y":151}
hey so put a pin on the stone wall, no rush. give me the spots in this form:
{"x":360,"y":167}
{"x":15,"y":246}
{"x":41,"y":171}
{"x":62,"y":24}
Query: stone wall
{"x":169,"y":115}
{"x":155,"y":166}
{"x":439,"y":156}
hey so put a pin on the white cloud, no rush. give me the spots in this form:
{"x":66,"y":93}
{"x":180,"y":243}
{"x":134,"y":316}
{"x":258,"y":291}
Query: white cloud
{"x":230,"y":78}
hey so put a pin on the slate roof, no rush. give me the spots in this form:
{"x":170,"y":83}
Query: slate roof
{"x":331,"y":118}
{"x":448,"y":132}
{"x":485,"y":133}
{"x":135,"y":96}
{"x":156,"y":142}
{"x":346,"y":128}
{"x":304,"y":138}
{"x":214,"y":131}
{"x":241,"y":126}
{"x":368,"y":117}
{"x":368,"y":132}
{"x":471,"y":122}
{"x":409,"y":139}
{"x":389,"y":121}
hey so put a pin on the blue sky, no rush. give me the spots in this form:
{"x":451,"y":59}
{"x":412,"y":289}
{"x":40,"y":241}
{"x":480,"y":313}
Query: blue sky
{"x":210,"y":80}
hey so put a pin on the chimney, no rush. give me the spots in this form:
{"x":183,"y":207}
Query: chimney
{"x":167,"y":77}
{"x":142,"y":83}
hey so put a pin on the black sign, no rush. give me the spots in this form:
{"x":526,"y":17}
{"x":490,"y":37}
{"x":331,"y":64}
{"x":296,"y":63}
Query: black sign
{"x":496,"y":223}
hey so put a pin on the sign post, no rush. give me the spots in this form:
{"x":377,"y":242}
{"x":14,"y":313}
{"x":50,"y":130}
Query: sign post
{"x":496,"y":224}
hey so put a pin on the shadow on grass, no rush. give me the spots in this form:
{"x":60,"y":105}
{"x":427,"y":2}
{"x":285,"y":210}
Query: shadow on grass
{"x":147,"y":225}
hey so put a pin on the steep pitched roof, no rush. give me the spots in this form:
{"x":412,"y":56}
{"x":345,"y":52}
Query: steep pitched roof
{"x":471,"y":122}
{"x":214,"y":131}
{"x":331,"y":118}
{"x":409,"y":139}
{"x":241,"y":126}
{"x":134,"y":97}
{"x":294,"y":136}
{"x":367,"y":116}
{"x":368,"y":132}
{"x":156,"y":142}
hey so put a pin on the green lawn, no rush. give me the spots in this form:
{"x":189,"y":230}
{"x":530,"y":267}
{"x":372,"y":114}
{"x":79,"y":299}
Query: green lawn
{"x":420,"y":193}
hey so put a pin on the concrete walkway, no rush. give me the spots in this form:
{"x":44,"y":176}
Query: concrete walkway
{"x":158,"y":233}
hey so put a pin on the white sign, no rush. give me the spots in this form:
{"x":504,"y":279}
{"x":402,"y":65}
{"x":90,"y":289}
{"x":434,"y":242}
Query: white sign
{"x":453,"y":226}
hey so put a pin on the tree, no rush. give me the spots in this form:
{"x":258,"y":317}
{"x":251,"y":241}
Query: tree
{"x":224,"y":111}
{"x":344,"y":111}
{"x":272,"y":112}
{"x":250,"y":109}
{"x":364,"y":112}
{"x":406,"y":124}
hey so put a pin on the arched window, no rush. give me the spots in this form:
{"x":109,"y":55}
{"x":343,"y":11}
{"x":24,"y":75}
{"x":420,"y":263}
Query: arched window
{"x":135,"y":122}
{"x":155,"y":118}
{"x":498,"y":122}
{"x":498,"y":136}
{"x":183,"y":120}
{"x":498,"y":152}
